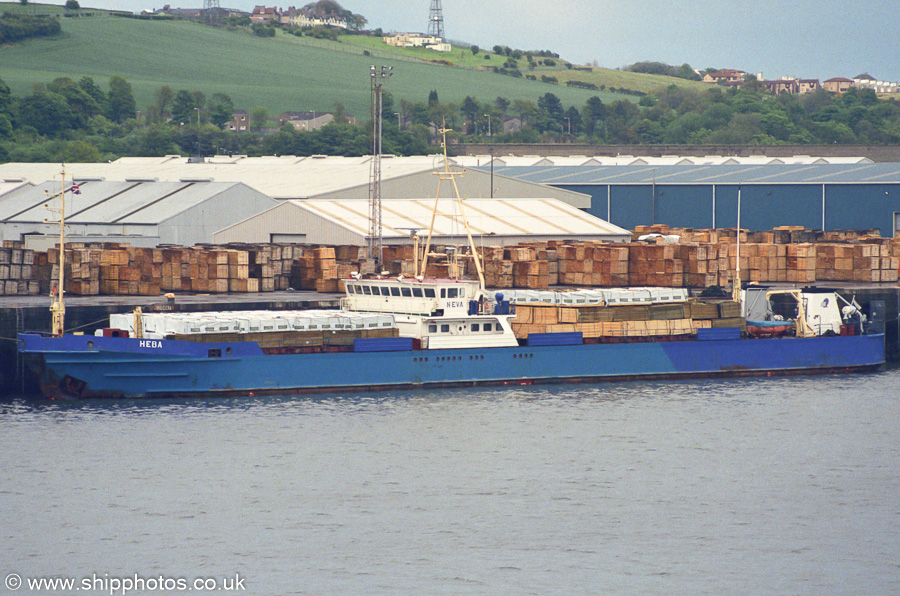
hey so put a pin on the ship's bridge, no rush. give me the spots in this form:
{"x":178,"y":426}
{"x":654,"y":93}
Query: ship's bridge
{"x":430,"y":297}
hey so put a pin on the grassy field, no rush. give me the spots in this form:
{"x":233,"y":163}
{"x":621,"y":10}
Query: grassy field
{"x":284,"y":73}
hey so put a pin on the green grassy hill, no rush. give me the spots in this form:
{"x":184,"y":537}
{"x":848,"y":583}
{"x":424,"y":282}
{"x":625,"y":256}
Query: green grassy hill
{"x":284,"y":73}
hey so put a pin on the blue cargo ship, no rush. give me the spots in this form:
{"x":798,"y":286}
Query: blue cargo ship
{"x":401,"y":333}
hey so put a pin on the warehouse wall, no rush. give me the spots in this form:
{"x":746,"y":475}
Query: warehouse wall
{"x":199,"y":223}
{"x":763,"y":206}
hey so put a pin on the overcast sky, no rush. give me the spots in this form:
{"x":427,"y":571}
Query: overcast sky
{"x":804,"y":38}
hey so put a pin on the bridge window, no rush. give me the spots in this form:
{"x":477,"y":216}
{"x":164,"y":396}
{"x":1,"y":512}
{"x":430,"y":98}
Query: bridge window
{"x":432,"y":329}
{"x":476,"y":327}
{"x":488,"y":327}
{"x":406,"y":292}
{"x":395,"y":291}
{"x":367,"y":290}
{"x":417,"y":292}
{"x":429,"y":292}
{"x":451,"y":292}
{"x":445,"y":328}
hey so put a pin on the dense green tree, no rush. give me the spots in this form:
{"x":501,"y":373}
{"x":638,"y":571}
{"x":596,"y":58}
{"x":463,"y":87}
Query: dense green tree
{"x":183,"y":105}
{"x":120,"y":104}
{"x":72,"y":5}
{"x":47,"y":112}
{"x":551,"y":104}
{"x":79,"y":151}
{"x":471,"y":110}
{"x":221,"y":109}
{"x":592,"y":115}
{"x":162,"y":98}
{"x":91,"y":88}
{"x":259,"y":116}
{"x":6,"y":98}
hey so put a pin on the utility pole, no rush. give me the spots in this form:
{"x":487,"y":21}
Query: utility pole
{"x":377,"y":79}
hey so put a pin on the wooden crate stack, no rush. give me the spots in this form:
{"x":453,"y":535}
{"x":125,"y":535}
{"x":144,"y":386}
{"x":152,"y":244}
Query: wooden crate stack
{"x":868,"y":262}
{"x":655,"y":265}
{"x":527,"y":270}
{"x":498,"y":271}
{"x":701,"y":264}
{"x":325,"y":269}
{"x":598,"y":321}
{"x":17,"y":271}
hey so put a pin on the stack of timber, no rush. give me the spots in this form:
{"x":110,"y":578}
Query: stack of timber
{"x":317,"y":269}
{"x":282,"y":331}
{"x":600,"y":321}
{"x":593,"y":264}
{"x":677,"y":258}
{"x":856,"y":262}
{"x":17,"y":275}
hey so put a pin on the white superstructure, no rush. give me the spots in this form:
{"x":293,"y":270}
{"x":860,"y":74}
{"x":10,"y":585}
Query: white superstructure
{"x":442,"y":313}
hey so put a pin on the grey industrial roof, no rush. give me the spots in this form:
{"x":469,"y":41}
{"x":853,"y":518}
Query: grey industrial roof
{"x":281,"y":177}
{"x":870,"y":173}
{"x":128,"y":202}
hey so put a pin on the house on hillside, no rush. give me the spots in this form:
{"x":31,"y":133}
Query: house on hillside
{"x":264,"y":14}
{"x":867,"y":81}
{"x":240,"y":121}
{"x":511,"y":124}
{"x":783,"y":85}
{"x":837,"y":84}
{"x":301,"y":18}
{"x":726,"y":75}
{"x":808,"y":85}
{"x":309,"y":120}
{"x":417,"y":40}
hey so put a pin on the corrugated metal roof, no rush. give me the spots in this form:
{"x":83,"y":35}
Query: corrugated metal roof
{"x":486,"y":217}
{"x":664,"y":160}
{"x":8,"y":186}
{"x":277,"y":176}
{"x":884,"y":173}
{"x":109,"y":202}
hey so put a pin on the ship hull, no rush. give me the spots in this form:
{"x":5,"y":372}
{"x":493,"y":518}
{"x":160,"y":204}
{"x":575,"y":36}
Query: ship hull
{"x":88,"y":366}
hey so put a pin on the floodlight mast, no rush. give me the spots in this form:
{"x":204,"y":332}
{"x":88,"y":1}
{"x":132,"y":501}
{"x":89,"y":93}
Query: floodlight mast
{"x":377,"y":79}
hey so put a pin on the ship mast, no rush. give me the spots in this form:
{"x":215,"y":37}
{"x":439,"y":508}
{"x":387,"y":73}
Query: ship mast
{"x":736,"y":286}
{"x":448,"y":174}
{"x":58,"y":308}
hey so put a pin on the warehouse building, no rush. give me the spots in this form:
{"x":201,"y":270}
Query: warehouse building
{"x":492,"y":222}
{"x":857,"y":196}
{"x":290,"y":177}
{"x":140,"y":213}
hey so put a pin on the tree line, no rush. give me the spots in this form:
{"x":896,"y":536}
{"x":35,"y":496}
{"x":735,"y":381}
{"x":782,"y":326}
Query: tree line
{"x":67,"y":120}
{"x":18,"y":27}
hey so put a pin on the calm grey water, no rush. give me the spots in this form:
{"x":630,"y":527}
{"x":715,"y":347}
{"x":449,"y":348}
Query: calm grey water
{"x":763,"y":486}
